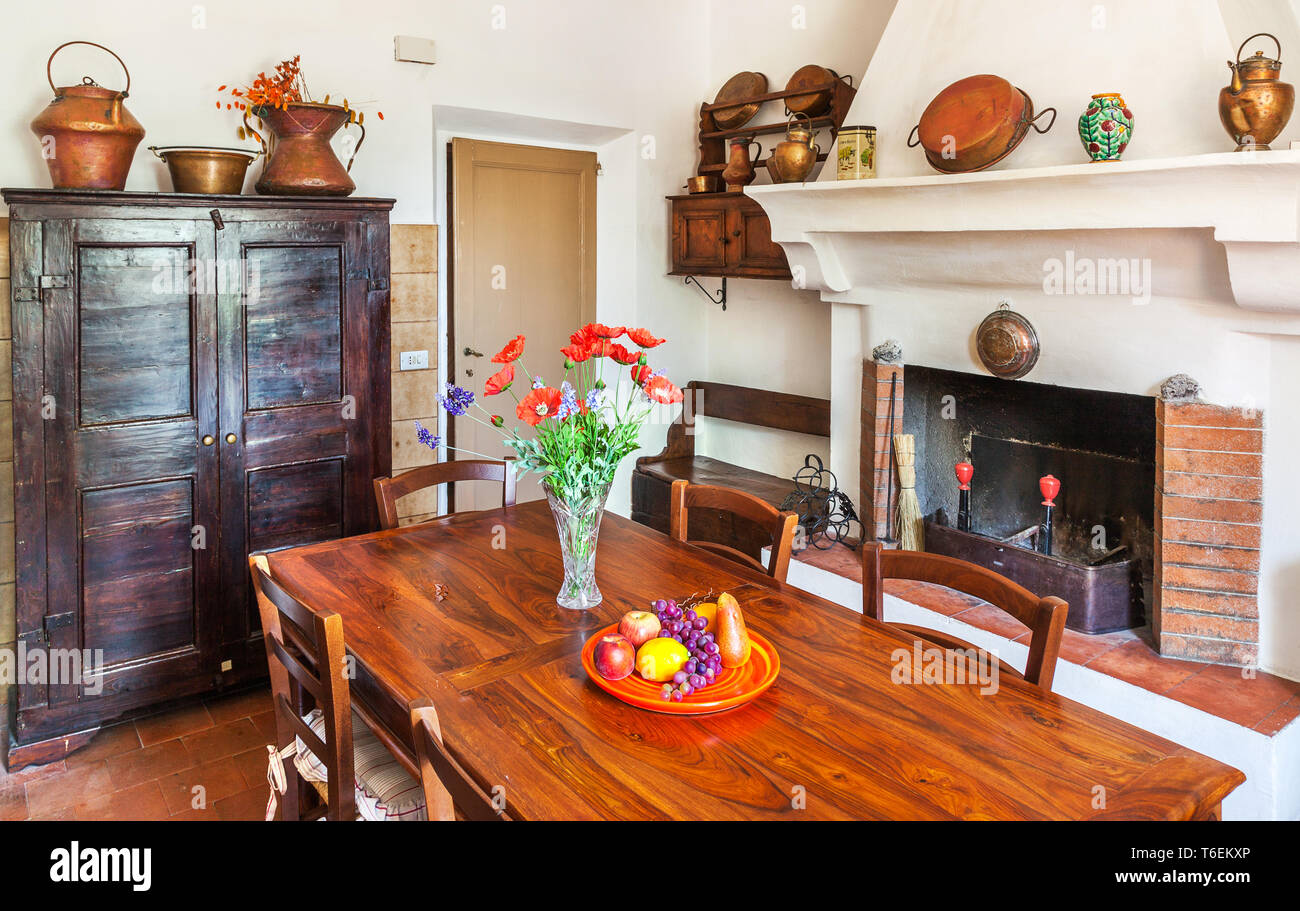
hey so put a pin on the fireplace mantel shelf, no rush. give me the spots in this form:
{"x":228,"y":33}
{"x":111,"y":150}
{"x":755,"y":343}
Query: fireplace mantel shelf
{"x":1250,"y":200}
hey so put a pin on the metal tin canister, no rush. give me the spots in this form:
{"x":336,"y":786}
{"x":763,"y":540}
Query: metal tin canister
{"x":856,"y":153}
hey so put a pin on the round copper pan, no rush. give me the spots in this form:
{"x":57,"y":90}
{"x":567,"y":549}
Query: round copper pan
{"x":813,"y":104}
{"x":975,"y":123}
{"x":1007,"y":344}
{"x":742,"y":85}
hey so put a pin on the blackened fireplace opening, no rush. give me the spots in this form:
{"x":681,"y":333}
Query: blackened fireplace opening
{"x":1099,"y":445}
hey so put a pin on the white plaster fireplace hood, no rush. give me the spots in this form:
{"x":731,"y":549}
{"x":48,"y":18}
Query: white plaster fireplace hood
{"x":1251,"y":201}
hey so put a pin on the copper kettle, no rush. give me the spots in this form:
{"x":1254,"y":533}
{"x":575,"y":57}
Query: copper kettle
{"x":792,"y":160}
{"x":88,"y":137}
{"x":1256,"y":105}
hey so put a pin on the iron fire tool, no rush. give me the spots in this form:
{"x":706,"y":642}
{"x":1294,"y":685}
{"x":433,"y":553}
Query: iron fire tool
{"x":1049,"y":487}
{"x":964,"y":471}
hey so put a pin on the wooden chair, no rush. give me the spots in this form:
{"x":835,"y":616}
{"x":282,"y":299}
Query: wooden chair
{"x":1045,"y":617}
{"x":448,"y":789}
{"x":389,"y":490}
{"x":685,"y":496}
{"x":345,"y":756}
{"x":304,"y":650}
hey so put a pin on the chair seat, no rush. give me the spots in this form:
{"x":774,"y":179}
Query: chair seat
{"x":703,"y":470}
{"x":385,"y":791}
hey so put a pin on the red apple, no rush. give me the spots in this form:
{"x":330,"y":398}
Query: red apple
{"x":640,"y":626}
{"x":615,"y":656}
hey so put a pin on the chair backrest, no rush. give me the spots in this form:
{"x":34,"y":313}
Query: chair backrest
{"x":389,"y":490}
{"x":305,"y":653}
{"x":447,"y":786}
{"x":1045,"y":617}
{"x":686,"y":496}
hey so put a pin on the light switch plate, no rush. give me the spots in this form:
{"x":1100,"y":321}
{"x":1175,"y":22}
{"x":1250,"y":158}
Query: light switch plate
{"x":414,"y":360}
{"x":410,"y":49}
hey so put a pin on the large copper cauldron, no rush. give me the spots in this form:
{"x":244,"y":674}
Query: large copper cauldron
{"x":300,"y":160}
{"x":1256,"y":105}
{"x":88,"y":136}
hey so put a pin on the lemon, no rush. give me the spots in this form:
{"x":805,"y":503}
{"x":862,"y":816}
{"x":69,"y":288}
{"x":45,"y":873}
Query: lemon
{"x":658,"y":659}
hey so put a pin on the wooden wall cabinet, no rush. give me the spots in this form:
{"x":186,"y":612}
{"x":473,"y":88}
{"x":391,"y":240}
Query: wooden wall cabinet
{"x":195,"y":378}
{"x":724,"y":235}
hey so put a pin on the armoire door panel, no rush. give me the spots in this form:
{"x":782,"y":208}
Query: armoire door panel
{"x":293,"y":325}
{"x":138,"y":569}
{"x":133,"y":333}
{"x":295,"y":504}
{"x":130,"y":371}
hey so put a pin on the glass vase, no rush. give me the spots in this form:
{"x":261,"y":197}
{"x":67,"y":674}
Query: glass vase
{"x":577,"y":521}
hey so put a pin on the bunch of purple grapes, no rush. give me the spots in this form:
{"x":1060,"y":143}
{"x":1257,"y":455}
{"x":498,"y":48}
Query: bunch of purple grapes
{"x":691,"y":630}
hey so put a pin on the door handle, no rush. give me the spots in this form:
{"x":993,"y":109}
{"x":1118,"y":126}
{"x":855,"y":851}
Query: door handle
{"x":470,"y":352}
{"x":208,"y":439}
{"x":230,"y":438}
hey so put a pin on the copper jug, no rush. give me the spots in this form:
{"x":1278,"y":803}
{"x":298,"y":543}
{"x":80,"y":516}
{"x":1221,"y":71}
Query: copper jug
{"x":739,"y":172}
{"x":88,"y":137}
{"x":1256,"y":105}
{"x":300,"y":160}
{"x":792,"y":160}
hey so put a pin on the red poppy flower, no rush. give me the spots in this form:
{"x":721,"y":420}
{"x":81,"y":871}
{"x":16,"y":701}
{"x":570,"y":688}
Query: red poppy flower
{"x":603,"y":331}
{"x":577,"y":352}
{"x":511,"y":352}
{"x":623,"y":356}
{"x":538,"y":405}
{"x":644,"y":338}
{"x":662,"y":391}
{"x":500,"y":381}
{"x":641,"y":373}
{"x":583,"y":336}
{"x":602,"y":347}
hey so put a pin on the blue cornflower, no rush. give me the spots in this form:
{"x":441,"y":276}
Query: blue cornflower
{"x":424,"y":436}
{"x":568,"y":401}
{"x":595,"y":398}
{"x":456,"y":400}
{"x":538,"y":382}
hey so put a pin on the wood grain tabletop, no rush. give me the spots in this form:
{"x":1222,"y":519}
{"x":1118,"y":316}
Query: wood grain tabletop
{"x":462,"y":610}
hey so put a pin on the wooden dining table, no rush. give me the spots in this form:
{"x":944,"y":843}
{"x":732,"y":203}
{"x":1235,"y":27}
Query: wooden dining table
{"x":461,"y":611}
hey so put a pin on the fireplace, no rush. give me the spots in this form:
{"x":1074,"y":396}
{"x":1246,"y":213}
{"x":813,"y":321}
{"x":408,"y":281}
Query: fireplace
{"x":1159,"y":497}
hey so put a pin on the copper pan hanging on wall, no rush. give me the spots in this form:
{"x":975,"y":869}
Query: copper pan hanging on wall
{"x":1007,"y":343}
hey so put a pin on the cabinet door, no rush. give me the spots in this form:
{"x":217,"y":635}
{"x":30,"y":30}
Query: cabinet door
{"x":130,"y":489}
{"x":303,"y":398}
{"x":751,"y":251}
{"x":699,"y":237}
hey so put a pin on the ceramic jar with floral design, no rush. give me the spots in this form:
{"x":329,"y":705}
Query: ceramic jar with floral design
{"x":1106,"y":127}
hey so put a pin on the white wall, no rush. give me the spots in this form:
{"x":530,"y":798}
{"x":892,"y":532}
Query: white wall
{"x":771,"y":335}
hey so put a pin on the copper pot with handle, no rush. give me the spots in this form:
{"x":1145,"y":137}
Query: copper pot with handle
{"x":88,"y":137}
{"x":739,"y":172}
{"x":793,"y":159}
{"x":1256,"y":105}
{"x":300,"y":160}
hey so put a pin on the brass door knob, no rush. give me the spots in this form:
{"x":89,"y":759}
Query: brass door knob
{"x":230,"y":438}
{"x":208,"y":439}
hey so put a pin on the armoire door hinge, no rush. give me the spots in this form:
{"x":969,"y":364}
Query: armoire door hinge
{"x":34,"y":294}
{"x":56,"y":621}
{"x":379,"y":284}
{"x":54,"y":281}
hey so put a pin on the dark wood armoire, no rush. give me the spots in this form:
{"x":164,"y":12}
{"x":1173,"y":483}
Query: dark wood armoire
{"x":195,"y":378}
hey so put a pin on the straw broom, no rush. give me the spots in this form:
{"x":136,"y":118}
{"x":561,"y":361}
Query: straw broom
{"x":910,"y":526}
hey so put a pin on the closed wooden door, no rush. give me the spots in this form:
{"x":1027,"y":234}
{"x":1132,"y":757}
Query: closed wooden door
{"x":297,"y":389}
{"x":750,"y":250}
{"x":700,"y":239}
{"x":523,"y":263}
{"x":130,"y":488}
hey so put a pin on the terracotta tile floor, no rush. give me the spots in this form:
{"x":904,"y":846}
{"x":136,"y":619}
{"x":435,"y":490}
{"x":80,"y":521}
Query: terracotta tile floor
{"x":202,"y":761}
{"x":1263,"y":702}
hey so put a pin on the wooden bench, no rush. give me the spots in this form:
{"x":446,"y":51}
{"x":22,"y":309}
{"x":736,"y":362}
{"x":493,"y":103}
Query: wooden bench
{"x":654,"y":475}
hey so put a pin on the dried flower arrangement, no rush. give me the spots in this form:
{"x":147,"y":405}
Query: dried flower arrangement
{"x":284,"y":87}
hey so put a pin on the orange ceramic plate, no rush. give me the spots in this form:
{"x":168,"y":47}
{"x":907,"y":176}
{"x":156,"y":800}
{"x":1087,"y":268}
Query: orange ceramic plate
{"x":734,"y":686}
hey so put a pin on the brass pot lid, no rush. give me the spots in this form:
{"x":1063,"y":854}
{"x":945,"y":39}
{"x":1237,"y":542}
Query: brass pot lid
{"x":742,"y":85}
{"x":1007,"y":343}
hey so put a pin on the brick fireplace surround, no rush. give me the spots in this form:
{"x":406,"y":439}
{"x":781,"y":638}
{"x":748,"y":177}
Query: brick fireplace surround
{"x":1208,"y":512}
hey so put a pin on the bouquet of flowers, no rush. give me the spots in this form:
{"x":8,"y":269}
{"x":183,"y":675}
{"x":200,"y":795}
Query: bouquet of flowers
{"x":584,"y":429}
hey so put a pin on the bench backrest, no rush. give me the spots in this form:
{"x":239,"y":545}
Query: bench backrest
{"x":744,"y":405}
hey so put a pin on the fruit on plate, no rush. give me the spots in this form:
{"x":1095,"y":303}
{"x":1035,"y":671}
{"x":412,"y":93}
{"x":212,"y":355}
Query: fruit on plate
{"x":614,"y":656}
{"x":732,"y":638}
{"x":640,"y":626}
{"x":709,"y":611}
{"x":659,"y":659}
{"x":683,"y":624}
